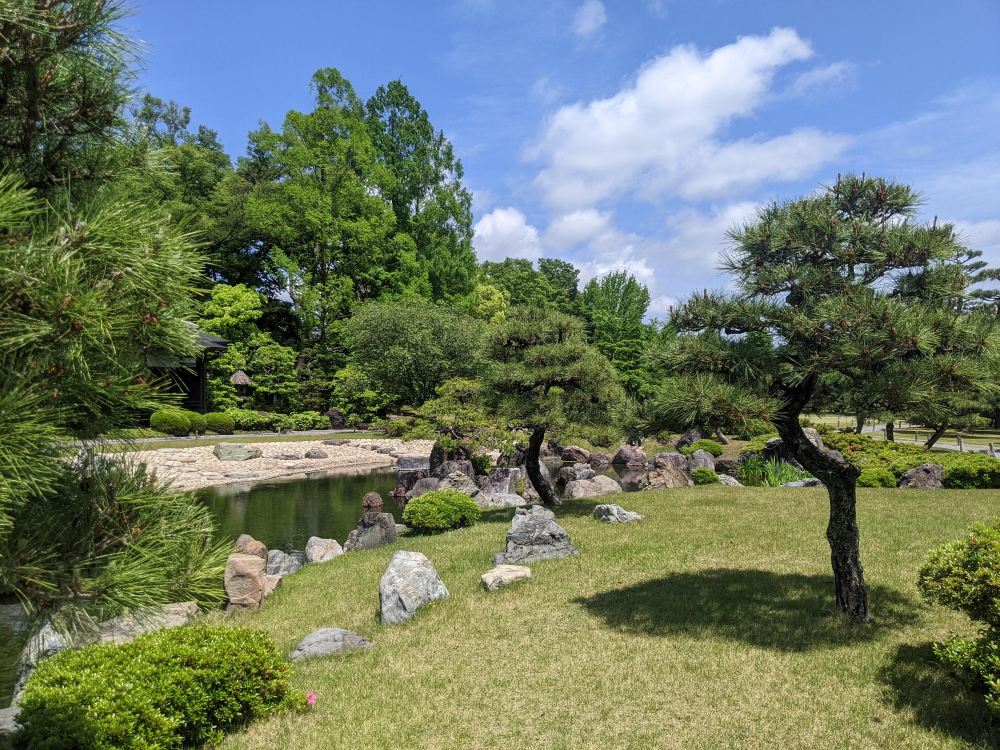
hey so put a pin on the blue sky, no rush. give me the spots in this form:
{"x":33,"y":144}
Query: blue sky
{"x":627,"y":134}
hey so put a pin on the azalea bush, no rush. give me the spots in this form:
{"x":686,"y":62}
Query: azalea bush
{"x":709,"y":446}
{"x":704,"y":475}
{"x":441,"y":510}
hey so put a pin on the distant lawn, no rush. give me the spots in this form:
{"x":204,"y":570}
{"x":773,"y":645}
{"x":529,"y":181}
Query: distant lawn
{"x":708,"y":625}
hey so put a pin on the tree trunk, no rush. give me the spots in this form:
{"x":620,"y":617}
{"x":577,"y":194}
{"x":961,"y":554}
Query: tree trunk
{"x":543,"y":488}
{"x":722,"y":438}
{"x":936,"y":435}
{"x":860,"y":426}
{"x":996,"y":420}
{"x":889,"y":431}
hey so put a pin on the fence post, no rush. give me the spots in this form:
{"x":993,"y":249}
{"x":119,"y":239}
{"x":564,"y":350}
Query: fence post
{"x":916,"y":436}
{"x":960,"y":448}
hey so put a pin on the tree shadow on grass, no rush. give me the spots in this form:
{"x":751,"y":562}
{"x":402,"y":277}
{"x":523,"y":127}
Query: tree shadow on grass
{"x":782,"y":611}
{"x":937,"y":700}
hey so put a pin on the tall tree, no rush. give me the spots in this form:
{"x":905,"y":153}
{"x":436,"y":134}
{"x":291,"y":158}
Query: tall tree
{"x":827,"y":278}
{"x":614,"y":308}
{"x":519,"y":279}
{"x":564,"y":278}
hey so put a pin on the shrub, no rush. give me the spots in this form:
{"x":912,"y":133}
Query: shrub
{"x":481,"y":462}
{"x":970,"y":471}
{"x":704,"y":475}
{"x":709,"y":446}
{"x":876,"y":476}
{"x":197,"y":422}
{"x":771,"y":473}
{"x":248,"y":419}
{"x":170,"y":421}
{"x":440,"y":511}
{"x":309,"y":420}
{"x":171,"y":688}
{"x":220,"y":422}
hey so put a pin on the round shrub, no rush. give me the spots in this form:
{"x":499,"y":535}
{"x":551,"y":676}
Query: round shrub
{"x":170,"y":421}
{"x":876,"y":477}
{"x":441,"y":510}
{"x":220,"y":423}
{"x":172,"y":688}
{"x":709,"y":446}
{"x":704,"y":475}
{"x":197,"y":422}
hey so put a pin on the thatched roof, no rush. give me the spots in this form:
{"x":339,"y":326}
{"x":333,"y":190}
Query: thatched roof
{"x":240,"y":378}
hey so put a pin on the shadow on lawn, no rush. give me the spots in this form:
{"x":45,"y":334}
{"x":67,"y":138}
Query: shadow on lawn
{"x":938,"y":702}
{"x":783,"y":611}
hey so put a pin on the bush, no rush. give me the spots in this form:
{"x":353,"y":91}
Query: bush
{"x":248,"y":419}
{"x":197,"y":422}
{"x":709,"y":446}
{"x":220,"y":423}
{"x":704,"y":475}
{"x":172,"y":688}
{"x":970,"y":471}
{"x":754,"y":471}
{"x":440,"y":511}
{"x":170,"y":421}
{"x":309,"y":420}
{"x":876,"y":476}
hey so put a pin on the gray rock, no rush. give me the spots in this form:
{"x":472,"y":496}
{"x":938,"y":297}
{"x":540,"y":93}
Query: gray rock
{"x":459,"y":482}
{"x":808,"y":482}
{"x":13,"y":617}
{"x":923,"y":477}
{"x":615,"y":514}
{"x":534,"y":535}
{"x":504,"y":575}
{"x":575,"y":454}
{"x":48,"y":641}
{"x":629,"y":455}
{"x":576,"y":471}
{"x":243,"y":475}
{"x":500,"y":500}
{"x":336,"y":442}
{"x":502,"y":481}
{"x":247,"y":545}
{"x":730,"y":466}
{"x":125,"y":628}
{"x":315,"y":453}
{"x":8,"y":724}
{"x":664,"y":460}
{"x":281,"y":563}
{"x":386,"y":451}
{"x":423,"y":486}
{"x":247,"y":582}
{"x":327,"y":641}
{"x":692,"y":436}
{"x":699,"y":459}
{"x":409,"y":583}
{"x":729,"y":481}
{"x":319,"y":550}
{"x":668,"y":471}
{"x":374,"y":530}
{"x":236,"y":451}
{"x":595,"y":487}
{"x":775,"y":449}
{"x":599,"y":461}
{"x":450,"y":467}
{"x":835,"y":455}
{"x":413,"y":463}
{"x":406,"y":480}
{"x":286,"y":457}
{"x":401,"y":529}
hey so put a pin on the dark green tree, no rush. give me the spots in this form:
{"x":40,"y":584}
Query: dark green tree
{"x":614,"y":308}
{"x":518,"y":277}
{"x":564,"y":279}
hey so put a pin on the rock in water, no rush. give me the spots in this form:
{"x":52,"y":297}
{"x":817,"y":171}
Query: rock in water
{"x":924,"y":477}
{"x":315,"y":453}
{"x":599,"y":461}
{"x":374,"y":530}
{"x":247,"y":582}
{"x":569,"y":474}
{"x":236,"y":452}
{"x":534,"y":535}
{"x":406,"y":482}
{"x":326,"y":641}
{"x":668,"y":471}
{"x":319,"y":550}
{"x":409,"y":583}
{"x":595,"y":487}
{"x":504,"y":575}
{"x":629,"y":455}
{"x":281,"y":563}
{"x":575,"y":454}
{"x":615,"y":514}
{"x":371,"y":501}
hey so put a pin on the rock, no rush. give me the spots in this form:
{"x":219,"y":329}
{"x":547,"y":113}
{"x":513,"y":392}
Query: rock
{"x":243,"y":475}
{"x":923,"y":477}
{"x":692,"y":436}
{"x":663,"y":460}
{"x":504,"y":575}
{"x":401,"y":529}
{"x":286,"y":457}
{"x":554,"y":447}
{"x":629,"y":455}
{"x":450,"y":467}
{"x":281,"y":563}
{"x":374,"y":530}
{"x":459,"y":482}
{"x":729,"y":481}
{"x":339,"y":441}
{"x":372,"y":501}
{"x":319,"y":550}
{"x":599,"y":461}
{"x":327,"y":641}
{"x":774,"y":449}
{"x":236,"y":451}
{"x":48,"y":641}
{"x":574,"y":454}
{"x":500,"y":500}
{"x":409,"y":583}
{"x":729,"y":466}
{"x":439,"y":455}
{"x":314,"y":453}
{"x":668,"y":471}
{"x":615,"y":514}
{"x":423,"y":486}
{"x":699,"y":459}
{"x":413,"y":463}
{"x":13,"y":617}
{"x":247,"y":582}
{"x":8,"y":724}
{"x":576,"y":471}
{"x":808,"y":482}
{"x":835,"y":455}
{"x":337,"y":421}
{"x":247,"y":545}
{"x":125,"y":628}
{"x":405,"y":482}
{"x":502,"y":481}
{"x":534,"y":535}
{"x":595,"y":487}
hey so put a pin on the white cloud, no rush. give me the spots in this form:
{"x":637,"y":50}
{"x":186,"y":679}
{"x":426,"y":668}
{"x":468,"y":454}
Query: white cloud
{"x":829,"y":81}
{"x":589,"y":18}
{"x":576,"y":228}
{"x":659,"y":307}
{"x":505,"y":233}
{"x":662,"y":133}
{"x":982,"y":235}
{"x":547,"y":90}
{"x":658,"y":8}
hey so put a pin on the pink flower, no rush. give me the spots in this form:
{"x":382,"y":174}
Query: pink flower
{"x":311,"y":699}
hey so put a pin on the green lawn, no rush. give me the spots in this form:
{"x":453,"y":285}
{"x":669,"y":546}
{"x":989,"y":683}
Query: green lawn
{"x":707,"y":625}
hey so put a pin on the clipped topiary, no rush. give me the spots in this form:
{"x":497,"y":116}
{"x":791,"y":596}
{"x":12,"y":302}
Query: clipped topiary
{"x":704,"y":475}
{"x":709,"y":446}
{"x":220,"y":423}
{"x":440,"y":510}
{"x":876,"y":477}
{"x":171,"y":421}
{"x":197,"y":422}
{"x":172,"y":688}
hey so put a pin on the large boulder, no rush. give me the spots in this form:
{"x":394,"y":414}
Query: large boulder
{"x":501,"y":480}
{"x":410,"y":582}
{"x":923,"y":477}
{"x":439,"y":455}
{"x":504,"y":575}
{"x":534,"y":535}
{"x":371,"y":501}
{"x":319,"y":550}
{"x":450,"y":467}
{"x":247,"y":582}
{"x":236,"y":451}
{"x":729,"y":466}
{"x":615,"y":514}
{"x":459,"y":482}
{"x":700,"y":459}
{"x":595,"y":487}
{"x":574,"y":454}
{"x":500,"y":500}
{"x":423,"y":486}
{"x":576,"y":471}
{"x":327,"y":641}
{"x":599,"y":461}
{"x":629,"y":455}
{"x":315,"y":453}
{"x":337,"y":421}
{"x":281,"y":563}
{"x":247,"y":545}
{"x":374,"y":530}
{"x":729,"y":481}
{"x":8,"y":724}
{"x":413,"y":463}
{"x":668,"y":471}
{"x":405,"y":482}
{"x":692,"y":436}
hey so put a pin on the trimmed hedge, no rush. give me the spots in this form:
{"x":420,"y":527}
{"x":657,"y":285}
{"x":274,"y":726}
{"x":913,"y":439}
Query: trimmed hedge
{"x":167,"y":689}
{"x":220,"y":423}
{"x":171,"y":421}
{"x":709,"y":446}
{"x":876,"y":476}
{"x":197,"y":422}
{"x":440,"y":510}
{"x":704,"y":475}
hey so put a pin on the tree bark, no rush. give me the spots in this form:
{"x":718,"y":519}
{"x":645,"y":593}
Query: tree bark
{"x":722,"y":438}
{"x":890,"y":434}
{"x":543,"y":488}
{"x":860,"y":425}
{"x":936,"y":435}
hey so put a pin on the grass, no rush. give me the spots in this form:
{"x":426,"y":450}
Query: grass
{"x":710,"y":624}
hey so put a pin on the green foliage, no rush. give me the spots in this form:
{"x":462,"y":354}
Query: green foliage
{"x":441,"y":510}
{"x":232,"y":312}
{"x":754,"y":471}
{"x":197,"y":422}
{"x":251,"y":421}
{"x":355,"y":393}
{"x":704,"y":475}
{"x":271,"y":367}
{"x":520,"y":283}
{"x":171,"y":421}
{"x":220,"y":423}
{"x":709,"y":446}
{"x":970,"y":471}
{"x":168,"y":689}
{"x":876,"y":476}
